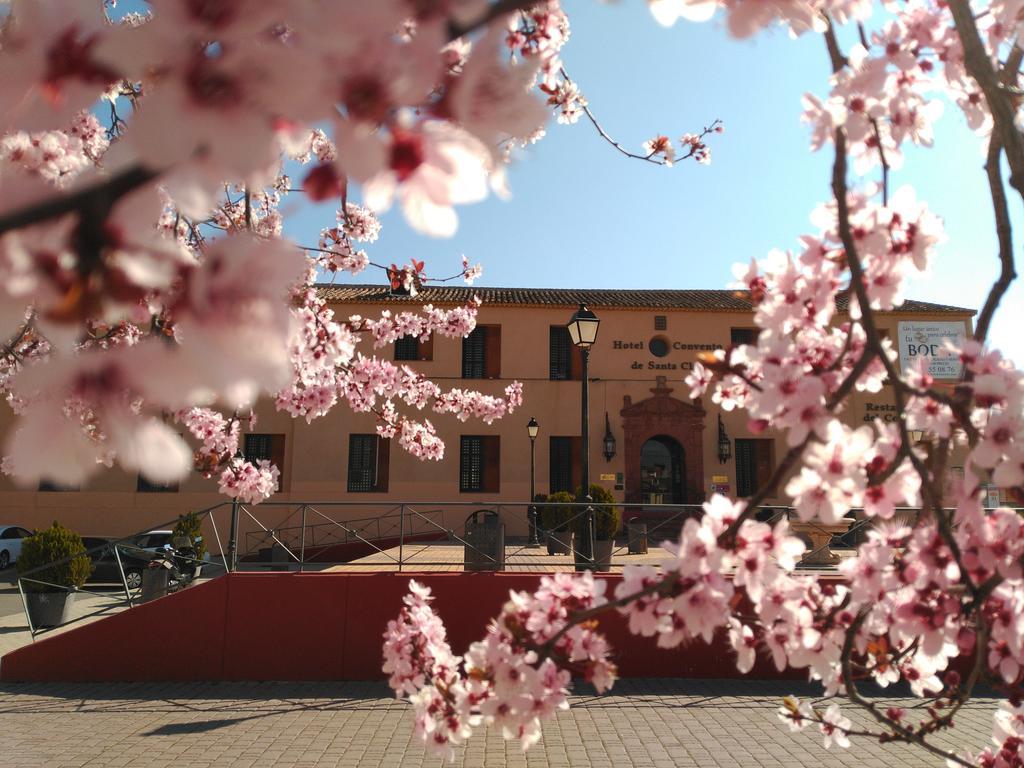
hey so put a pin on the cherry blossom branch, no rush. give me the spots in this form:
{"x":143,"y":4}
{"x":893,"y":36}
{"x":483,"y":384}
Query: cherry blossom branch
{"x":1004,"y":234}
{"x":653,"y":156}
{"x":97,"y":198}
{"x":902,"y":732}
{"x":979,"y":66}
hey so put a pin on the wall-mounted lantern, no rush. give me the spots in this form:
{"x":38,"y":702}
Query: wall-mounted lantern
{"x":724,"y":443}
{"x":609,"y":439}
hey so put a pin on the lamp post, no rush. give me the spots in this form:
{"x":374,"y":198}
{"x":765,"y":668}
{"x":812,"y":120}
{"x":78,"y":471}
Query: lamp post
{"x":582,"y":328}
{"x":532,"y":428}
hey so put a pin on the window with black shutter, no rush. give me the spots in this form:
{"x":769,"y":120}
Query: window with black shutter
{"x":143,"y":485}
{"x":48,"y":486}
{"x":265,"y":447}
{"x":415,"y":348}
{"x":481,"y":353}
{"x":564,"y":359}
{"x":479,"y":464}
{"x":367,"y":463}
{"x":565,"y":470}
{"x":754,"y":465}
{"x":739,"y":336}
{"x":407,"y":348}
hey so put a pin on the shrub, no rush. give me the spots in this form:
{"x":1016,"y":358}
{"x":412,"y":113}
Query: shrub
{"x":607,"y":517}
{"x":190,"y":527}
{"x":49,"y":546}
{"x":556,"y":518}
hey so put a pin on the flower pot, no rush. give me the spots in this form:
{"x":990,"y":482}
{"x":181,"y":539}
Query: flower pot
{"x":49,"y":609}
{"x":559,"y":542}
{"x":603,"y":554}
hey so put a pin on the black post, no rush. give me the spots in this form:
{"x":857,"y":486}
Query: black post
{"x":533,"y":542}
{"x":233,"y":537}
{"x":586,"y":547}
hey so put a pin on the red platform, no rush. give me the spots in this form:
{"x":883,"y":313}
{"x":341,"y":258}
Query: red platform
{"x":312,"y":626}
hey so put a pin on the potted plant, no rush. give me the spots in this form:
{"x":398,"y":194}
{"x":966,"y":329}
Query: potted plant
{"x":189,"y":527}
{"x":607,"y":521}
{"x":555,"y":520}
{"x":50,"y":591}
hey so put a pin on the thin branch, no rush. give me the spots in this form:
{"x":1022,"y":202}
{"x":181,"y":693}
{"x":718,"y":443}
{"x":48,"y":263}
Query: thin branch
{"x":494,"y":11}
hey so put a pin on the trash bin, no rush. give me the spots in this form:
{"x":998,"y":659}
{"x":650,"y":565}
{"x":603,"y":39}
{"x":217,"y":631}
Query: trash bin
{"x":485,"y":542}
{"x":155,"y":580}
{"x":637,"y":533}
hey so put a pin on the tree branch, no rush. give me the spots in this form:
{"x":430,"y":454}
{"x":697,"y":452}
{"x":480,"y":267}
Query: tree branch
{"x":98,"y":197}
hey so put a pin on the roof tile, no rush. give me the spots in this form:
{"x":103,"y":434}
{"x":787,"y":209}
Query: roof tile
{"x":685,"y":299}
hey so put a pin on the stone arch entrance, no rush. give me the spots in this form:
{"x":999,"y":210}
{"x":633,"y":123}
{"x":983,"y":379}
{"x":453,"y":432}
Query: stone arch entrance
{"x":658,"y":417}
{"x":662,"y":468}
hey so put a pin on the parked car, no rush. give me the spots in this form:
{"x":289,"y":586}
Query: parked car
{"x":153,"y":541}
{"x":10,"y":544}
{"x":104,"y":562}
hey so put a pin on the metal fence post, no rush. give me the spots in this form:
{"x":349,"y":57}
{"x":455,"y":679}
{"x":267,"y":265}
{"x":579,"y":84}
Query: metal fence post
{"x":233,"y":537}
{"x":302,"y":546}
{"x":124,"y":580}
{"x":401,"y":536}
{"x":28,"y":616}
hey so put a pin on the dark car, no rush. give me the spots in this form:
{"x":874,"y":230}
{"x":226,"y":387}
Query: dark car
{"x":105,"y":568}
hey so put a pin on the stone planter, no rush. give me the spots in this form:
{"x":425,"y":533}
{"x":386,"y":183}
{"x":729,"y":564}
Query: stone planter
{"x":817,"y":536}
{"x":155,"y":583}
{"x":559,"y":542}
{"x":49,"y":609}
{"x":603,"y":554}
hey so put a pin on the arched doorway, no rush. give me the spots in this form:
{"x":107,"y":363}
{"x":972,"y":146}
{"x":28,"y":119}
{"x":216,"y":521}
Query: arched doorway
{"x":662,"y":471}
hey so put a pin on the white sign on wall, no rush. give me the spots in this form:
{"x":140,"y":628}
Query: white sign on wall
{"x":925,"y":339}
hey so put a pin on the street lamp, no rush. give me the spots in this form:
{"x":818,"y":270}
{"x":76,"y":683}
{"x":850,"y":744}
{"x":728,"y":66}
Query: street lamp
{"x":532,"y":428}
{"x":582,"y":328}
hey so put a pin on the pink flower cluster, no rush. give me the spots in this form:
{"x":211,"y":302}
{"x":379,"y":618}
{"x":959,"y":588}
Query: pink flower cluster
{"x":513,"y":679}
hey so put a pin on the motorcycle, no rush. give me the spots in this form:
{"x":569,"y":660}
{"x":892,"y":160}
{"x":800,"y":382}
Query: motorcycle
{"x":177,"y":565}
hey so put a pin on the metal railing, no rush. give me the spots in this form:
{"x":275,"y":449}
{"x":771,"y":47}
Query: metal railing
{"x":405,"y":536}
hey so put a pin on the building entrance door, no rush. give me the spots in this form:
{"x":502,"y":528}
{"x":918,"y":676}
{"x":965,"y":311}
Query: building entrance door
{"x":662,"y":469}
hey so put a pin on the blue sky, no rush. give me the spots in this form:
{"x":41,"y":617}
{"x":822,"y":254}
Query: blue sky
{"x":582,"y":215}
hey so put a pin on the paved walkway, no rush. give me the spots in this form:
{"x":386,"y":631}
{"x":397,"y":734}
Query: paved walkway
{"x":443,"y":556}
{"x":645,"y":723}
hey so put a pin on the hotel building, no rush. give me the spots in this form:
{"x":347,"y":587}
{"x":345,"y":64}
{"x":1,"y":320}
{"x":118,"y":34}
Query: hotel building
{"x":649,"y":443}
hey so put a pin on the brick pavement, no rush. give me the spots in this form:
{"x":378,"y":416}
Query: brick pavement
{"x":644,"y":723}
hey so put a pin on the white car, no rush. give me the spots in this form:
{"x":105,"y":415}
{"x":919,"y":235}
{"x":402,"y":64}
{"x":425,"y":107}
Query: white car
{"x":10,"y":544}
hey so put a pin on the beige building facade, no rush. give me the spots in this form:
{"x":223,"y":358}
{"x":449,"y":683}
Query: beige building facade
{"x":667,"y":448}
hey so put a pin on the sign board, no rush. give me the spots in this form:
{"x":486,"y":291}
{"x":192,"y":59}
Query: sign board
{"x":720,"y":488}
{"x":610,"y":477}
{"x":924,"y":339}
{"x":719,"y":478}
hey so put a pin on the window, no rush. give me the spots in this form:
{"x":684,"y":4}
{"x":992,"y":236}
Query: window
{"x":415,"y":348}
{"x":660,"y":323}
{"x":368,"y":463}
{"x":739,"y":336}
{"x":565,"y":361}
{"x":48,"y":486}
{"x":658,"y":346}
{"x":145,"y":486}
{"x":481,"y":353}
{"x":754,"y":465}
{"x":565,"y":464}
{"x":259,"y":447}
{"x":479,"y":464}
